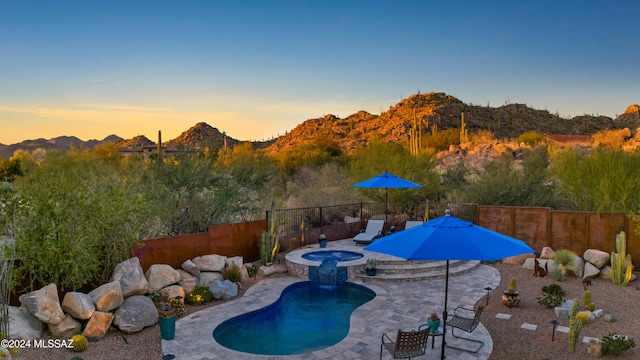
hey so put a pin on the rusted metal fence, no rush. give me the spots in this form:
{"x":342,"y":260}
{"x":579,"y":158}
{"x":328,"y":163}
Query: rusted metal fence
{"x":573,"y":230}
{"x":538,"y":227}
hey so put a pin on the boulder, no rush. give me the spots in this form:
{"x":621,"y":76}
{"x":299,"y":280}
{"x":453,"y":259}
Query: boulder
{"x":210,"y":262}
{"x":224,"y":289}
{"x":161,"y":275}
{"x":605,"y":272}
{"x":579,"y":266}
{"x":78,"y":305}
{"x":23,"y":325}
{"x":107,"y":297}
{"x":44,"y":304}
{"x":98,"y":325}
{"x":66,"y":328}
{"x":272,"y":269}
{"x":187,"y":281}
{"x":190,"y":267}
{"x":547,"y":253}
{"x":596,"y":257}
{"x":518,"y":259}
{"x":135,"y":313}
{"x":173,"y":291}
{"x":546,"y":264}
{"x":590,"y":271}
{"x":131,"y":277}
{"x":206,"y":278}
{"x":239,"y":262}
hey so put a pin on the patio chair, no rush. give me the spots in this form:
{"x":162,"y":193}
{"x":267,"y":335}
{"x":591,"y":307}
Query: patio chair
{"x":371,"y":232}
{"x":411,"y":223}
{"x":408,"y":344}
{"x":467,"y":320}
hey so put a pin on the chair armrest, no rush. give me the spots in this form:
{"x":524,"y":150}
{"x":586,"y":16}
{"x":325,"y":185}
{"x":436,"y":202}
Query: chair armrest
{"x":421,"y":327}
{"x":387,"y":337}
{"x":464,"y":312}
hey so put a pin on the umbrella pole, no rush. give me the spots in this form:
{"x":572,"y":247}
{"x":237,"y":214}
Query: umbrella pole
{"x":386,"y":203}
{"x":444,"y":313}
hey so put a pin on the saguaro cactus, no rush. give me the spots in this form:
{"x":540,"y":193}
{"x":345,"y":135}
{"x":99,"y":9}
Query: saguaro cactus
{"x":621,"y":266}
{"x":269,"y":243}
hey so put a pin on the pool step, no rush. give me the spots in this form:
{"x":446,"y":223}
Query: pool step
{"x":418,"y":270}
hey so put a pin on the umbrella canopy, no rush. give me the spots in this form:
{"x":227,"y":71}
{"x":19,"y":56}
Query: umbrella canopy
{"x":386,"y":181}
{"x":449,"y":238}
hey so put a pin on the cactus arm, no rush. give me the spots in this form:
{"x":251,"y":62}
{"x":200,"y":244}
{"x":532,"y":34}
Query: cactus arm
{"x":627,"y":276}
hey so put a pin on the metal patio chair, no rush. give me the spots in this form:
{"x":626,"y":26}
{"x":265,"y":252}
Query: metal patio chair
{"x":408,"y":344}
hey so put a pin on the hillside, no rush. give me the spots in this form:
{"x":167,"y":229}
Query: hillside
{"x":444,"y":111}
{"x":432,"y":110}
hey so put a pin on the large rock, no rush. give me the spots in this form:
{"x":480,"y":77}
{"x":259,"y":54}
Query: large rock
{"x":547,"y":253}
{"x":161,"y":275}
{"x":107,"y":297}
{"x":590,"y":271}
{"x":23,"y":325}
{"x":98,"y":325}
{"x":239,"y":262}
{"x":597,"y":257}
{"x":210,"y":262}
{"x":224,"y":289}
{"x":518,"y":259}
{"x":135,"y":313}
{"x":187,"y":281}
{"x":190,"y":267}
{"x":66,"y":328}
{"x":131,"y":277}
{"x":272,"y":269}
{"x":606,"y":272}
{"x":44,"y":304}
{"x":206,"y":278}
{"x":78,"y":305}
{"x":173,"y":291}
{"x":579,"y":268}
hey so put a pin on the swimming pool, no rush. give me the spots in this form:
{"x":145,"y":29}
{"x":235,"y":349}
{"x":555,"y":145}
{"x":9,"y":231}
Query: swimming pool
{"x":306,"y":317}
{"x":332,"y":255}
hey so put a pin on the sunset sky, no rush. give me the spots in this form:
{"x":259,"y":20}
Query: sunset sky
{"x":256,"y":69}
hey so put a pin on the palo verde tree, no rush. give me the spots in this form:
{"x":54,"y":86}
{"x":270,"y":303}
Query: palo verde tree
{"x":75,"y":219}
{"x":396,"y":159}
{"x":603,"y":180}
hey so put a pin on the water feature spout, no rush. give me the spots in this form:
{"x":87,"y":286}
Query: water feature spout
{"x":328,"y":273}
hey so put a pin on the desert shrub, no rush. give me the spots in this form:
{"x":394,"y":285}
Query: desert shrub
{"x":616,"y":344}
{"x":553,"y":295}
{"x":232,"y":273}
{"x":531,"y":138}
{"x":199,"y":296}
{"x":565,"y":262}
{"x":612,"y":138}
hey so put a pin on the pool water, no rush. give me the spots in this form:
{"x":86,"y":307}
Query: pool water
{"x":332,"y":255}
{"x":307,"y":317}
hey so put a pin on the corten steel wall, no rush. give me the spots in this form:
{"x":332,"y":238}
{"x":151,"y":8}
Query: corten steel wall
{"x":241,"y":239}
{"x":573,"y":230}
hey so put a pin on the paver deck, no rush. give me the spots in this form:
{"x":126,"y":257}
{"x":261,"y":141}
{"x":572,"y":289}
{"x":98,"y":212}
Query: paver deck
{"x":397,"y":305}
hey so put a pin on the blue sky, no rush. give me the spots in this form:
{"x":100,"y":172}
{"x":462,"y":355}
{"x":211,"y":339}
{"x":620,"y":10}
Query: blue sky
{"x":256,"y":69}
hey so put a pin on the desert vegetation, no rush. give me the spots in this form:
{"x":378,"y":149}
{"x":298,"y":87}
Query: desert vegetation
{"x":75,"y":214}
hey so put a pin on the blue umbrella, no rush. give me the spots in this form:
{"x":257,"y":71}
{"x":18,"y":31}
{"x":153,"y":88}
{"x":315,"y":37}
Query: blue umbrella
{"x":386,"y":181}
{"x":449,"y":238}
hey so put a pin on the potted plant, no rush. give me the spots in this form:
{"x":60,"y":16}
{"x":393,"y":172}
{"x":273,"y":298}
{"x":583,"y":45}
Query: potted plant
{"x":371,"y":265}
{"x":322,"y":240}
{"x":166,"y":316}
{"x":511,"y":296}
{"x":433,"y":323}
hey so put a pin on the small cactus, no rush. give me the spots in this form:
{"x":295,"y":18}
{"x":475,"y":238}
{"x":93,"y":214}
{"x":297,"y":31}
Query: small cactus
{"x":575,"y":326}
{"x":582,"y":316}
{"x":80,"y":343}
{"x":588,"y":305}
{"x":512,"y":286}
{"x":608,"y":318}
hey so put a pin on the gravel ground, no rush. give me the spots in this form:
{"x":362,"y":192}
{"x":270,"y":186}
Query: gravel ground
{"x":510,"y":340}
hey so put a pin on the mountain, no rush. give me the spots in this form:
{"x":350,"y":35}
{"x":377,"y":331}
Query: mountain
{"x":441,"y":111}
{"x":433,"y":111}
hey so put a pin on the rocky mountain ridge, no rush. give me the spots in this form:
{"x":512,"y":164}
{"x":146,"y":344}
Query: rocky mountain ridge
{"x":432,"y":112}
